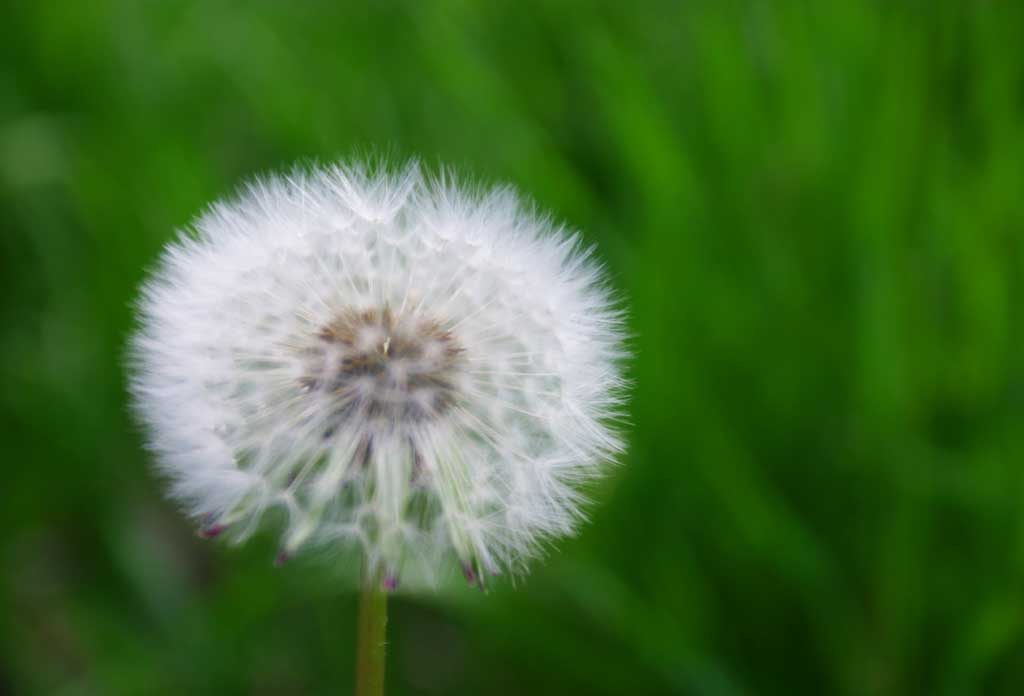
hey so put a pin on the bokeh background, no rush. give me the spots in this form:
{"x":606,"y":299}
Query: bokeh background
{"x":815,"y":210}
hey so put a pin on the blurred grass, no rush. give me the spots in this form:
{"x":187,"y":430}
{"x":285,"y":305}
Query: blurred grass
{"x":814,"y":210}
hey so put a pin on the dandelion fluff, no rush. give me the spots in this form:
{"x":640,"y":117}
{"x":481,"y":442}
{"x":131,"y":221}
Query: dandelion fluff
{"x":403,"y":365}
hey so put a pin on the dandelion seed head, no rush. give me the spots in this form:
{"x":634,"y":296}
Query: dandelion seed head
{"x":406,"y":366}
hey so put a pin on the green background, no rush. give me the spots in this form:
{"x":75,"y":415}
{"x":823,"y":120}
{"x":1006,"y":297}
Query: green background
{"x":814,"y":210}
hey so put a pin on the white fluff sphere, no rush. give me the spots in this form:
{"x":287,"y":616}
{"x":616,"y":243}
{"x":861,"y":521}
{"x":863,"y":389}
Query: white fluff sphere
{"x":405,"y":366}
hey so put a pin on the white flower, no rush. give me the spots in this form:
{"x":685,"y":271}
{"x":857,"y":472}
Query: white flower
{"x":402,"y":365}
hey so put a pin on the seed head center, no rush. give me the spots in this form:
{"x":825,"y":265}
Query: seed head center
{"x":377,"y":365}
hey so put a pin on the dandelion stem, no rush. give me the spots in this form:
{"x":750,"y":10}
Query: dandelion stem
{"x":371,"y":638}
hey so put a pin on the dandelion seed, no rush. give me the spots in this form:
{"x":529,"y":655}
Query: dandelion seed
{"x":402,"y":366}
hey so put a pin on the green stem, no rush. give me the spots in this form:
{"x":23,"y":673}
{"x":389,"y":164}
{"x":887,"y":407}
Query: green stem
{"x":371,"y":640}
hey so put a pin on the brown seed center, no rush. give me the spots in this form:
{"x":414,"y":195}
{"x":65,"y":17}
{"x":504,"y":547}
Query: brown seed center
{"x":374,"y":364}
